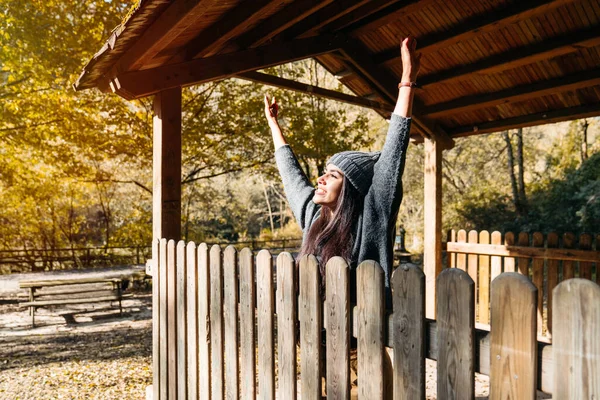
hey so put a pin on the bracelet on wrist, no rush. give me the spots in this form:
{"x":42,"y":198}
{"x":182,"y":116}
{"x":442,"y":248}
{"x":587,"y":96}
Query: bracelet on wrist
{"x":408,"y":84}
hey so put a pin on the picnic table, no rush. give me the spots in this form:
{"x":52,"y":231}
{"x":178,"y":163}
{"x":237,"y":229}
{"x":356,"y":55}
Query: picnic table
{"x":44,"y":293}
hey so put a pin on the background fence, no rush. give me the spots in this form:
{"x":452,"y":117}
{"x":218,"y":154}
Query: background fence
{"x":224,"y":329}
{"x":545,"y":259}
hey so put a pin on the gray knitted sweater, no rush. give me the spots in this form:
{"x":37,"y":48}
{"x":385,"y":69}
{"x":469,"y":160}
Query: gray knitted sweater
{"x":375,"y":229}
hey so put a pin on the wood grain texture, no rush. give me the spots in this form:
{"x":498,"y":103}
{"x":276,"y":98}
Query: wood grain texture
{"x":576,"y":340}
{"x":408,"y":328}
{"x":451,"y":255}
{"x":509,"y":262}
{"x":163,"y":323}
{"x":181,"y":322}
{"x":513,"y":353}
{"x":172,"y":319}
{"x":311,"y":325}
{"x":523,"y":262}
{"x":156,"y":319}
{"x":247,"y":326}
{"x":216,"y":324}
{"x":337,"y":288}
{"x":192,"y":320}
{"x":551,"y":242}
{"x":204,"y":363}
{"x":472,"y":259}
{"x":455,"y":330}
{"x":230,"y":322}
{"x":496,"y":261}
{"x":286,"y":326}
{"x":537,"y":277}
{"x":483,"y":299}
{"x":371,"y":324}
{"x":461,"y":258}
{"x":265,"y":303}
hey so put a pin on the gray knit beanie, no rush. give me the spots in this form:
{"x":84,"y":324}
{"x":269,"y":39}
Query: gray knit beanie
{"x":357,"y":166}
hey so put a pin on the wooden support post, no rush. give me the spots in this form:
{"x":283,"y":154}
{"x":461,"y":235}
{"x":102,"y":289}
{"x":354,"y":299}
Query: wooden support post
{"x":432,"y":257}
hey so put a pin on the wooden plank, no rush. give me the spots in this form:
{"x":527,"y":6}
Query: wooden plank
{"x":432,"y":228}
{"x":172,"y":319}
{"x":473,"y":259}
{"x":248,"y":332}
{"x":311,"y":326}
{"x":509,"y":262}
{"x":451,"y":256}
{"x":204,"y":293}
{"x":576,"y":343}
{"x":230,"y":319}
{"x":163,"y":323}
{"x":484,"y":282}
{"x":455,"y":329}
{"x":156,"y":355}
{"x":517,"y":57}
{"x":513,"y":338}
{"x":265,"y":310}
{"x":523,"y":262}
{"x":181,"y":321}
{"x":511,"y":251}
{"x":337,"y":325}
{"x":568,"y":265}
{"x":598,"y":263}
{"x":461,"y":258}
{"x":217,"y":333}
{"x":537,"y":277}
{"x":66,"y":282}
{"x":356,"y":15}
{"x":552,"y":242}
{"x":192,"y":320}
{"x":136,"y":84}
{"x":408,"y":326}
{"x":314,"y":90}
{"x":585,"y":267}
{"x":41,"y":303}
{"x":496,"y":261}
{"x":166,"y":165}
{"x":391,"y":13}
{"x":286,"y":326}
{"x":370,"y":310}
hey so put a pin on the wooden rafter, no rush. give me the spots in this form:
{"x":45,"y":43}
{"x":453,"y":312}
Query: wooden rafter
{"x":174,"y":20}
{"x":547,"y":117}
{"x":315,"y":90}
{"x":520,"y":93}
{"x":521,"y":56}
{"x":477,"y":25}
{"x":280,"y":21}
{"x":388,"y":14}
{"x":358,"y":14}
{"x":143,"y":83}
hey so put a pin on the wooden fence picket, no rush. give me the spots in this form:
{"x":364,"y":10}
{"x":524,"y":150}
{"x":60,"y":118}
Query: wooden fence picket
{"x":247,"y":326}
{"x":163,"y":323}
{"x":568,"y":265}
{"x":370,"y":328}
{"x":513,"y":350}
{"x":509,"y":262}
{"x":216,"y":324}
{"x":461,"y":258}
{"x":585,"y":267}
{"x":172,"y":318}
{"x":537,"y":278}
{"x":286,"y":326}
{"x":455,"y":334}
{"x":181,"y":321}
{"x":496,"y":261}
{"x":523,"y":262}
{"x":265,"y":304}
{"x":156,"y":355}
{"x":472,"y":259}
{"x":192,"y":320}
{"x":408,"y":332}
{"x":311,"y":325}
{"x":598,"y":263}
{"x":230,"y":319}
{"x":576,"y":344}
{"x":452,"y":256}
{"x":337,"y":287}
{"x":552,"y":265}
{"x":484,"y":282}
{"x":204,"y":293}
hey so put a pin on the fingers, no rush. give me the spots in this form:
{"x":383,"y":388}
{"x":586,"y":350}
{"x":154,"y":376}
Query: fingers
{"x":267,"y":100}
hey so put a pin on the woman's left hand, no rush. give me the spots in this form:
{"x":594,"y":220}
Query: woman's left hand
{"x":411,"y":61}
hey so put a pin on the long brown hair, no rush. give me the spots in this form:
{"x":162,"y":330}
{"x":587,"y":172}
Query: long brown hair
{"x":332,"y":234}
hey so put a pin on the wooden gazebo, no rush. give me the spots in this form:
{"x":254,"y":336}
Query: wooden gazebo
{"x":486,"y":66}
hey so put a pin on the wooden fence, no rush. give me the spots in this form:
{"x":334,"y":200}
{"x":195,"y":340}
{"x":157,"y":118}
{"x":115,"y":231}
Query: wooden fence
{"x":546,"y":260}
{"x":223,"y":328}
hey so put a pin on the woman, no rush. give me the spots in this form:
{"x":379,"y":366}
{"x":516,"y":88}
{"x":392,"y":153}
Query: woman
{"x":352,"y":212}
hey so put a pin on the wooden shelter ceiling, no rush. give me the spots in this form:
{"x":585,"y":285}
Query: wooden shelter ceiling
{"x":487,"y":65}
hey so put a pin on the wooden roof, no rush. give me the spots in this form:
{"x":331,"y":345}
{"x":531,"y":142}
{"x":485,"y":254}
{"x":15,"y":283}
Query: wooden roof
{"x":487,"y":65}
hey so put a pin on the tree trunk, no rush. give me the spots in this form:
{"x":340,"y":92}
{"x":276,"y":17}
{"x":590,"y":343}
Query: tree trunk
{"x":511,"y":171}
{"x":268,"y":205}
{"x":522,"y":196}
{"x":584,"y":146}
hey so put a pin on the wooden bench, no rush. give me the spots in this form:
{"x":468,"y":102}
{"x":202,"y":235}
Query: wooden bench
{"x":71,"y":291}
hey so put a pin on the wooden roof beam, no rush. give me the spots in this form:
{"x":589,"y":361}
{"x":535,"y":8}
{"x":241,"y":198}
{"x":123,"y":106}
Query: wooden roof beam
{"x":521,"y":56}
{"x":520,"y":93}
{"x":386,"y":86}
{"x":276,"y":81}
{"x":359,"y":13}
{"x":280,"y":21}
{"x":393,"y":12}
{"x":136,"y":84}
{"x":547,"y":117}
{"x":466,"y":30}
{"x":174,"y":20}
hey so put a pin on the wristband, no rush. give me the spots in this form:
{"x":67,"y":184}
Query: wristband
{"x":407,"y":84}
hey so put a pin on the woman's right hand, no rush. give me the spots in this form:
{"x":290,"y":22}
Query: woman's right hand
{"x":271,"y":109}
{"x":411,"y":61}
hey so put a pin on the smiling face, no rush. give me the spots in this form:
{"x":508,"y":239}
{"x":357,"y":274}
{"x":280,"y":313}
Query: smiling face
{"x":329,"y":187}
